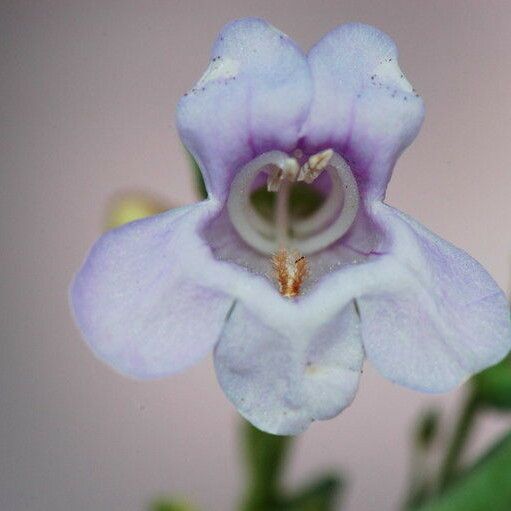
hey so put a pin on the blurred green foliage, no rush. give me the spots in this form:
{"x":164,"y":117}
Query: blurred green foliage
{"x":321,"y":495}
{"x":265,"y":458}
{"x":456,"y":486}
{"x":170,"y":505}
{"x":485,"y":486}
{"x":493,"y":386}
{"x":428,"y":425}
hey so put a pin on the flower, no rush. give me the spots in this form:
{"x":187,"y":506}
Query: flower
{"x":292,"y":305}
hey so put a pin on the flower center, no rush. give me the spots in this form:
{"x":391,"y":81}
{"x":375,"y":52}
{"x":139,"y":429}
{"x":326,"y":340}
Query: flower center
{"x":280,"y":171}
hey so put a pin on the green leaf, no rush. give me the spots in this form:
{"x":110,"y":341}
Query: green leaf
{"x":484,"y":487}
{"x":493,"y":386}
{"x":322,"y":495}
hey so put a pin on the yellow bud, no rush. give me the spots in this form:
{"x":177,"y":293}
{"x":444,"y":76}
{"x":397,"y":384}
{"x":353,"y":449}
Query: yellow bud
{"x":127,"y":207}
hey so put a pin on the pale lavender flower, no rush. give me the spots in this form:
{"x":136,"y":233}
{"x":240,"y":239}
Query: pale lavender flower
{"x":356,"y":279}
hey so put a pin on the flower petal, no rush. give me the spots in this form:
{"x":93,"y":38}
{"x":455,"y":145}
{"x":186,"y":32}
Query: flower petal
{"x":254,"y":97}
{"x":134,"y":304}
{"x":439,"y":318}
{"x":283,"y":379}
{"x":363,"y":105}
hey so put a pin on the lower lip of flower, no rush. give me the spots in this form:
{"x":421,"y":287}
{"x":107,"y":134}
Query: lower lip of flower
{"x":304,"y":236}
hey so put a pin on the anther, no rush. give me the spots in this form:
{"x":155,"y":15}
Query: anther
{"x":315,"y":165}
{"x":274,"y":179}
{"x":288,"y":171}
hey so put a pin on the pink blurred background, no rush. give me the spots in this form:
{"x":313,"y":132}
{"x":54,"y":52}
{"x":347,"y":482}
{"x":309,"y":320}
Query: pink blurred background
{"x":88,"y":93}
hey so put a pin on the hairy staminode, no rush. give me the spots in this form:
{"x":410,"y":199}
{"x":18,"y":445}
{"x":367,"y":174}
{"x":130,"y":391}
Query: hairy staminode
{"x":291,"y":269}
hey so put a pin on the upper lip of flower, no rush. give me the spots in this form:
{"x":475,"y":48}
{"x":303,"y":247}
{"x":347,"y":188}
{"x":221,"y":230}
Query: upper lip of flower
{"x":155,"y":296}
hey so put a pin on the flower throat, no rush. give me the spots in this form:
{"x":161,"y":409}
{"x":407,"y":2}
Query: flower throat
{"x":286,"y":237}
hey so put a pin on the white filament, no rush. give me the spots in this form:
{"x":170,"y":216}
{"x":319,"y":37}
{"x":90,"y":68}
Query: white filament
{"x":242,"y":216}
{"x":328,"y":224}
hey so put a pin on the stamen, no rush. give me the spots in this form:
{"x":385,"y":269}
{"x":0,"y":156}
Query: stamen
{"x":316,"y":164}
{"x":274,"y":179}
{"x":241,"y":213}
{"x":309,"y":235}
{"x":288,"y":171}
{"x":282,"y":214}
{"x":316,"y":233}
{"x":291,"y":269}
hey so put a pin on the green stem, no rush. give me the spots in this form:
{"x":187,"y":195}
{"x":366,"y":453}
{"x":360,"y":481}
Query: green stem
{"x":424,"y":438}
{"x":418,"y":482}
{"x":458,"y":441}
{"x":265,"y":458}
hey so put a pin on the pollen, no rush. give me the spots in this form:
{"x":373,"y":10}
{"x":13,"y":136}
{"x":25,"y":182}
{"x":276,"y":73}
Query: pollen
{"x":291,"y":270}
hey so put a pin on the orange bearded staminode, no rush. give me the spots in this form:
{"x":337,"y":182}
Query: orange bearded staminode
{"x":291,"y":269}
